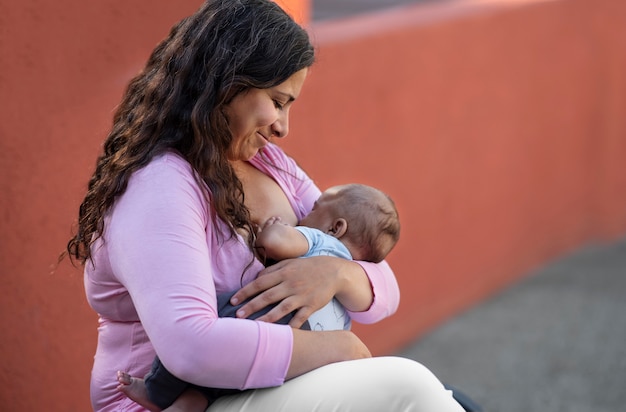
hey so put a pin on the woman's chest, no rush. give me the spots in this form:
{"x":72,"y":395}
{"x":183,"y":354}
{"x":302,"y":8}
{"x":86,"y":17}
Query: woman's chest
{"x":263,"y":197}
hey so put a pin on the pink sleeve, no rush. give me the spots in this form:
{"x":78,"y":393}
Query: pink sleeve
{"x":386,"y":293}
{"x":304,"y":192}
{"x":159,"y":250}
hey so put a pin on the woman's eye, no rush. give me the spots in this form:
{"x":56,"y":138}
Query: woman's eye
{"x":278,"y":105}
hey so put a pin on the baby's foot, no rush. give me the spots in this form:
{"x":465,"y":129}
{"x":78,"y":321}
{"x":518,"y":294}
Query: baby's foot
{"x":135,"y":389}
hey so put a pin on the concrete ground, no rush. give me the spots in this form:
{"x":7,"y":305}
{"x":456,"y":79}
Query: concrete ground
{"x":556,"y":341}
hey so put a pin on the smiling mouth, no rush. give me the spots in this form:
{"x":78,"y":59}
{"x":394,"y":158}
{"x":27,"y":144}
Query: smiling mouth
{"x":264,"y":138}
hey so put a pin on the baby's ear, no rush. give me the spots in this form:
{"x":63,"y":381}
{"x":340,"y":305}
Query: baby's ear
{"x":340,"y":226}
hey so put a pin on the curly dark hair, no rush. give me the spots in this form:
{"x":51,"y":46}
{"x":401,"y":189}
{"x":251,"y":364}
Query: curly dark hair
{"x":177,"y":101}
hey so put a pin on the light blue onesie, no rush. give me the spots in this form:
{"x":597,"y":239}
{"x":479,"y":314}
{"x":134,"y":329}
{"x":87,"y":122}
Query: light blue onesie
{"x":333,"y":316}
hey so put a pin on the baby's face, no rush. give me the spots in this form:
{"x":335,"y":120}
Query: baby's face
{"x":324,"y":211}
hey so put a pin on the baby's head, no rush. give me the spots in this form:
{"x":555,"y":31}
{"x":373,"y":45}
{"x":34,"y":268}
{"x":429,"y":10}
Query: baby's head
{"x":362,"y":217}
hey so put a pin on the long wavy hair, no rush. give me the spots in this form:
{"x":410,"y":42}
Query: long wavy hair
{"x":177,"y":101}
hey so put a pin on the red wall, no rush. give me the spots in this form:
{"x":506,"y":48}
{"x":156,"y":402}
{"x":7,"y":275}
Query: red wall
{"x":498,"y":129}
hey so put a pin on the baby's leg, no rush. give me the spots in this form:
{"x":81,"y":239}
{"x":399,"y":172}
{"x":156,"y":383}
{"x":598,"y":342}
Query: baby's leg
{"x":135,"y":389}
{"x":189,"y":401}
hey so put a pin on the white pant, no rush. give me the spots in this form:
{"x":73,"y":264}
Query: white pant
{"x":383,"y":384}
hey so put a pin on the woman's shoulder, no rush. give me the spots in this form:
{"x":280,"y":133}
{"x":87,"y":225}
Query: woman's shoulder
{"x":167,"y":172}
{"x":168,"y":165}
{"x":169,"y":160}
{"x":166,"y":183}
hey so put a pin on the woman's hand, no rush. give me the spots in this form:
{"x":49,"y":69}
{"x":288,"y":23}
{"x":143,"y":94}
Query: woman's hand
{"x":305,"y":285}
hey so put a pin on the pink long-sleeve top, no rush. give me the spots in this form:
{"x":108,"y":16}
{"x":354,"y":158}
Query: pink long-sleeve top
{"x":154,"y":277}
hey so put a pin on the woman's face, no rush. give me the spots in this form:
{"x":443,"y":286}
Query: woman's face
{"x":257,"y":116}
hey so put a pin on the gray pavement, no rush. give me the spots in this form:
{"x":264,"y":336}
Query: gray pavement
{"x":555,"y":341}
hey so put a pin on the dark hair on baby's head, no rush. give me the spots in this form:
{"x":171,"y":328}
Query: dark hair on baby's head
{"x":177,"y":101}
{"x":373,"y":221}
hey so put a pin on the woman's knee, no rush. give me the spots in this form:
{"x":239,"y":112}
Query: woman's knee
{"x":411,"y":386}
{"x":405,"y":375}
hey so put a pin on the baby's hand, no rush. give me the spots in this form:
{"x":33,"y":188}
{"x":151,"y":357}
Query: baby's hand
{"x":271,"y":221}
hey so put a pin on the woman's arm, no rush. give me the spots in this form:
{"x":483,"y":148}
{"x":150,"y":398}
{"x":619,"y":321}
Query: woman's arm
{"x":160,"y":248}
{"x":308,"y":284}
{"x":156,"y":242}
{"x":385,"y":293}
{"x":314,"y":349}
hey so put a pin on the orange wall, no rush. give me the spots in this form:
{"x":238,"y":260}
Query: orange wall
{"x":499,"y":130}
{"x":300,"y":10}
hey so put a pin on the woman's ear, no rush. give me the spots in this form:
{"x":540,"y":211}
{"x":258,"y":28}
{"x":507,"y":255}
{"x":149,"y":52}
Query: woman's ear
{"x":340,"y":226}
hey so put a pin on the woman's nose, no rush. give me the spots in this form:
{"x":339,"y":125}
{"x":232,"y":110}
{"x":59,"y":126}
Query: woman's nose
{"x":280,"y":128}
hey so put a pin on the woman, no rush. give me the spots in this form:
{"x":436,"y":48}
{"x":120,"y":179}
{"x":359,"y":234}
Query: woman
{"x":187,"y":174}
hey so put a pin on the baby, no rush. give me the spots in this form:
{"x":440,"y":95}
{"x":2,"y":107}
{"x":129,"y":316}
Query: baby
{"x":352,"y":221}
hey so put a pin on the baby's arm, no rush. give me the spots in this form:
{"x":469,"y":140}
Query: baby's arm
{"x":279,"y":241}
